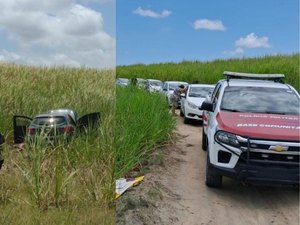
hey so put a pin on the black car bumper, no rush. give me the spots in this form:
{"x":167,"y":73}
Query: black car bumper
{"x":266,"y":172}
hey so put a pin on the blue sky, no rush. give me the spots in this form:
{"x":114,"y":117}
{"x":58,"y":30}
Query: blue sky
{"x":58,"y":32}
{"x":154,"y":31}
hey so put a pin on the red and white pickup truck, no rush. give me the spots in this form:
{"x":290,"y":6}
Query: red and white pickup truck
{"x":251,"y":130}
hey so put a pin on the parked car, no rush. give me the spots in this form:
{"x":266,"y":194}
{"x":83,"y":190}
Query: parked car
{"x":168,"y":88}
{"x":153,"y":85}
{"x":122,"y":81}
{"x":139,"y":82}
{"x":252,"y":130}
{"x":192,"y":100}
{"x":52,"y":126}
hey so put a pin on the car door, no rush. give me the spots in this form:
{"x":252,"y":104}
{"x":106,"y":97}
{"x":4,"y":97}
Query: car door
{"x":88,"y":121}
{"x":211,"y":116}
{"x":20,"y":124}
{"x":165,"y":88}
{"x":148,"y":86}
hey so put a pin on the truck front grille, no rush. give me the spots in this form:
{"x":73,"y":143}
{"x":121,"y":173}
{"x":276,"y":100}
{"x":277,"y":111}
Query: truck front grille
{"x":270,"y":150}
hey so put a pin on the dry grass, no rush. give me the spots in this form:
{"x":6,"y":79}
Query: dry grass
{"x":68,"y":184}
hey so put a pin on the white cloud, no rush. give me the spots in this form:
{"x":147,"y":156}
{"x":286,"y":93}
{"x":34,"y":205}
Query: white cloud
{"x":7,"y":55}
{"x":149,"y":13}
{"x":252,"y":41}
{"x":235,"y":51}
{"x":96,"y":1}
{"x":56,"y":32}
{"x":209,"y":25}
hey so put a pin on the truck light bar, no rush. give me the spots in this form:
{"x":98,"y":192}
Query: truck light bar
{"x":238,"y":75}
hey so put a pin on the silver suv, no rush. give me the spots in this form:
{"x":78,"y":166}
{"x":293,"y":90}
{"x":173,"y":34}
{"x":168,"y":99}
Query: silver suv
{"x":251,"y":127}
{"x":53,"y":125}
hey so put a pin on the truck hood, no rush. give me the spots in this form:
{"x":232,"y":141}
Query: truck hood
{"x":261,"y":126}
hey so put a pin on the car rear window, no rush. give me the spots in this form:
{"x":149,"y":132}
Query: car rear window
{"x":47,"y":121}
{"x":260,"y":100}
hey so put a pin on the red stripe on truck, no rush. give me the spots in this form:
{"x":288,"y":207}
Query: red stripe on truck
{"x":263,"y":126}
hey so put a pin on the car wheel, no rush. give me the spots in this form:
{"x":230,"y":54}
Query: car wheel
{"x":212,"y":179}
{"x":204,"y":140}
{"x":181,"y":113}
{"x":185,"y":120}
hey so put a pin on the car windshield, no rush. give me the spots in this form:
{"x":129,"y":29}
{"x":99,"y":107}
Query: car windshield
{"x":200,"y":92}
{"x":260,"y":100}
{"x":48,"y":121}
{"x":155,"y":83}
{"x":173,"y":86}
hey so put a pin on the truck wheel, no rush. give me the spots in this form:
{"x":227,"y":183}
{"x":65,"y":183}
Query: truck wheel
{"x":212,"y":179}
{"x":204,"y":140}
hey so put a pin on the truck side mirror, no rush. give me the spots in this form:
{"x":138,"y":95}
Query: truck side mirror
{"x":207,"y":105}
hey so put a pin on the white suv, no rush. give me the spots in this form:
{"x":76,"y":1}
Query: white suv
{"x":192,"y":100}
{"x":251,"y":130}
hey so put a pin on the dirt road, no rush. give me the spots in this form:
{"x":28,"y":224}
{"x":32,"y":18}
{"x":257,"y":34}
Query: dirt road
{"x":174,"y":192}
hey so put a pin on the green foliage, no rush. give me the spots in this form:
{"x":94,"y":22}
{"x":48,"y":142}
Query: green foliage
{"x":73,"y":178}
{"x":211,"y":72}
{"x":143,"y":121}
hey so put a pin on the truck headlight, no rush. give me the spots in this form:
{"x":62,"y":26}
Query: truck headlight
{"x":227,"y":138}
{"x":191,"y":105}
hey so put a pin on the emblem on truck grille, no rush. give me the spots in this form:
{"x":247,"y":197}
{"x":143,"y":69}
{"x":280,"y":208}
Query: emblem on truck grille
{"x":278,"y":148}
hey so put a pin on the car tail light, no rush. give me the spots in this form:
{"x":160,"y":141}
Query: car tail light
{"x":67,"y":129}
{"x":30,"y":130}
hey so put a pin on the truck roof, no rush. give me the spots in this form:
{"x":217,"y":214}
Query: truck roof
{"x":255,"y":83}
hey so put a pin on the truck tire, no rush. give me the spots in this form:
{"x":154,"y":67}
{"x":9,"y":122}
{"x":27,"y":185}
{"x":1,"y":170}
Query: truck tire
{"x":204,"y":140}
{"x":212,"y":179}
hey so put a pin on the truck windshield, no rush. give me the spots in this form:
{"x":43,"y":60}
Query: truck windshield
{"x":260,"y":100}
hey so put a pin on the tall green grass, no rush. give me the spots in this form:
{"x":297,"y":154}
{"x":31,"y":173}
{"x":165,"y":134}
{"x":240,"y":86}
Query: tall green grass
{"x":39,"y":183}
{"x":143,"y":121}
{"x":211,"y":72}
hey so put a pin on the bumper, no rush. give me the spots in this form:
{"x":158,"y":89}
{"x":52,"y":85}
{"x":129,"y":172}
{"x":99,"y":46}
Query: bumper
{"x":194,"y":114}
{"x":50,"y":140}
{"x":266,"y":173}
